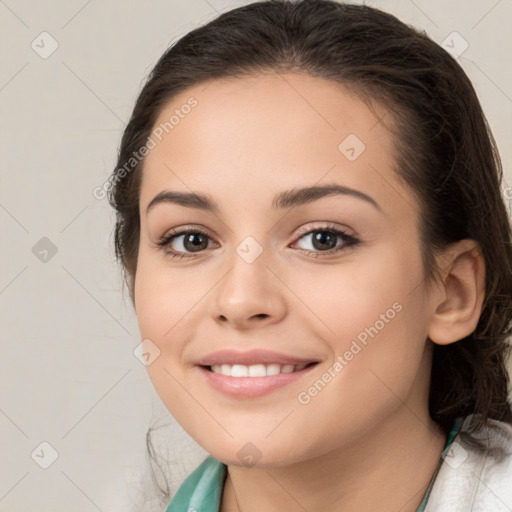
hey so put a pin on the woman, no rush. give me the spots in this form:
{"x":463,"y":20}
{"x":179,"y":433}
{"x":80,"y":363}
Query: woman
{"x":310,"y":222}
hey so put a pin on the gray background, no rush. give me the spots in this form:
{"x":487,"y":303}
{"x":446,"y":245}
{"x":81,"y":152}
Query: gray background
{"x":68,"y":373}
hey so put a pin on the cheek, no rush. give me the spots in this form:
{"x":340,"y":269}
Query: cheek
{"x":376,"y":360}
{"x":171,"y":306}
{"x":362,"y":292}
{"x":371,"y":316}
{"x":166,"y":315}
{"x":161,"y":316}
{"x":164,"y":298}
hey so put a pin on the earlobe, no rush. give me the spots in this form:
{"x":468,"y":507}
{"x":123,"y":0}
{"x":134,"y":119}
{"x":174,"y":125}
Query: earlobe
{"x":456,"y":312}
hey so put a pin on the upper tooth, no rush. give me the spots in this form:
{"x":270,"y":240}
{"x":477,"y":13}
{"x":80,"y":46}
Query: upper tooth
{"x":255,"y":370}
{"x":273,"y":369}
{"x":239,"y":370}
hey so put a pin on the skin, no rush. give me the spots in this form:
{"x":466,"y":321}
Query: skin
{"x":366,"y":441}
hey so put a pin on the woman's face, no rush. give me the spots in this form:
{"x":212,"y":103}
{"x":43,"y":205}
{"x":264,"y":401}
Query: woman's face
{"x":282,"y":273}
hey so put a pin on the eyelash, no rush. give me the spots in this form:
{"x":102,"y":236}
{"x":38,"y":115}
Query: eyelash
{"x":349,"y":240}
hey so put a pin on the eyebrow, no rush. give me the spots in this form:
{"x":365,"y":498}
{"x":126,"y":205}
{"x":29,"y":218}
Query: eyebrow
{"x":285,"y":199}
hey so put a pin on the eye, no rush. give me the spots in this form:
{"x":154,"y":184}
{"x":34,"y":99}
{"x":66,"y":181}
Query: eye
{"x":324,"y":240}
{"x":180,"y":242}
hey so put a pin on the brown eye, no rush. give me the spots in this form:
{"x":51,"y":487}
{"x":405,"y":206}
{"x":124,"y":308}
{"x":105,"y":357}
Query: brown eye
{"x":325,"y":240}
{"x":183,"y":242}
{"x":194,"y":242}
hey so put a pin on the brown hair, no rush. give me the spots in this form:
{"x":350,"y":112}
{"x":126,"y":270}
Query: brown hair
{"x":445,"y":153}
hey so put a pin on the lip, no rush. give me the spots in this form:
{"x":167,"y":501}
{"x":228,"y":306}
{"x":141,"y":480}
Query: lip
{"x":253,"y":356}
{"x":251,"y":387}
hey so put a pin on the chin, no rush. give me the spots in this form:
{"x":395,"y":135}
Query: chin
{"x":257,"y":454}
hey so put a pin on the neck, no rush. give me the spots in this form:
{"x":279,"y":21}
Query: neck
{"x":388,"y":468}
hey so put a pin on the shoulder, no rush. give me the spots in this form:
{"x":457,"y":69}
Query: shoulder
{"x":476,"y":473}
{"x":202,"y":489}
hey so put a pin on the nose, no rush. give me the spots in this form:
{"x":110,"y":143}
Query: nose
{"x":248,"y":296}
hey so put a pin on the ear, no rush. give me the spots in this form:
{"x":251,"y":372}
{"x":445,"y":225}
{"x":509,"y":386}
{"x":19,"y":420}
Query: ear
{"x":458,"y":305}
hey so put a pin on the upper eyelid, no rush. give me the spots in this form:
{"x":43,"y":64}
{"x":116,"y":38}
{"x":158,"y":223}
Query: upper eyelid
{"x":326,"y":226}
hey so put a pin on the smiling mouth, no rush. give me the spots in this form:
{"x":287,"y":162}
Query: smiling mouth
{"x":256,"y":370}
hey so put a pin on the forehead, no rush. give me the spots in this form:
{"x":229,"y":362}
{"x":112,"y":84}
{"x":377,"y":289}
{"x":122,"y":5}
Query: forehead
{"x":268,"y":132}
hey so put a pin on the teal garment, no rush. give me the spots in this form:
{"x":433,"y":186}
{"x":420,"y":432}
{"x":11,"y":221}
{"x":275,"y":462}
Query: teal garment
{"x":202,"y":489}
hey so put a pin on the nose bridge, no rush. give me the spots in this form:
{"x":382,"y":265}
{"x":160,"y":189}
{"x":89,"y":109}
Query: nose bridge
{"x":249,"y":290}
